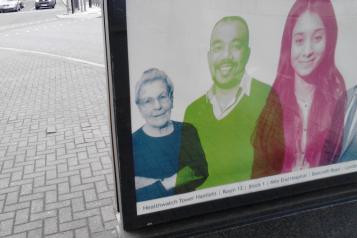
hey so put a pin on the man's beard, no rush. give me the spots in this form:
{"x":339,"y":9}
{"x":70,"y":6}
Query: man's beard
{"x":230,"y":83}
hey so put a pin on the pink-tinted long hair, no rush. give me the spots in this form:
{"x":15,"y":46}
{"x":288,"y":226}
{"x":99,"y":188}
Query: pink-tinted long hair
{"x":324,"y":133}
{"x":329,"y":88}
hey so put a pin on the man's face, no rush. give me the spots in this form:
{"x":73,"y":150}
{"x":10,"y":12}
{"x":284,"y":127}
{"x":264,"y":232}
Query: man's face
{"x":229,"y":53}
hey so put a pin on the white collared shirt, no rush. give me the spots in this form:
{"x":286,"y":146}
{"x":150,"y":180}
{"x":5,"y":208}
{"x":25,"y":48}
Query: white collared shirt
{"x":242,"y":90}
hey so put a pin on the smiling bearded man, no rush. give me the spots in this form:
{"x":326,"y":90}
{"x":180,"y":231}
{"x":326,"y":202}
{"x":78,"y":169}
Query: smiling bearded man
{"x":225,"y":117}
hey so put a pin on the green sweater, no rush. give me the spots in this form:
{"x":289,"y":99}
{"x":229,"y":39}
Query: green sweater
{"x":227,"y":142}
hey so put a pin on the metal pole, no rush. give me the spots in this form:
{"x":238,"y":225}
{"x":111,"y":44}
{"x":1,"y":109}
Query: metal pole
{"x":72,"y":5}
{"x":85,"y":5}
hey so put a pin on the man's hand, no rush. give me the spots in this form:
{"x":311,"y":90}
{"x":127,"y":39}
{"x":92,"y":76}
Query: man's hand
{"x":170,"y":182}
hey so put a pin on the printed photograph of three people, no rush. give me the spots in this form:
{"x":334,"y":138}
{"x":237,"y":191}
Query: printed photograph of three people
{"x":225,"y":91}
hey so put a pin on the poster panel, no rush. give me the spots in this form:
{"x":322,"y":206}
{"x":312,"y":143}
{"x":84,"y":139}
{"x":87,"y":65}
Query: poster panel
{"x":226,"y":99}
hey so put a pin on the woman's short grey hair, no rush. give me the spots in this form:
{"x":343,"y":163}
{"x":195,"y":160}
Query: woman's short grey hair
{"x":151,"y":75}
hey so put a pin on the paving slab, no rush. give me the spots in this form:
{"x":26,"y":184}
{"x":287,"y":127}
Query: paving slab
{"x":54,"y":145}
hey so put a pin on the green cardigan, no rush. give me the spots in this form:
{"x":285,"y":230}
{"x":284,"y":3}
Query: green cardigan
{"x":227,"y":142}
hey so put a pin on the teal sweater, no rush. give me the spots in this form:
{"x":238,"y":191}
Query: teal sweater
{"x":227,"y":142}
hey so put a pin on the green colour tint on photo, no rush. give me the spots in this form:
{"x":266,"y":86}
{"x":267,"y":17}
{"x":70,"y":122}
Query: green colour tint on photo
{"x":227,"y":142}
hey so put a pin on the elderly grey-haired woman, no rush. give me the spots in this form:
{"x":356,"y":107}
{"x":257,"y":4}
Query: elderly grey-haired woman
{"x":168,"y":156}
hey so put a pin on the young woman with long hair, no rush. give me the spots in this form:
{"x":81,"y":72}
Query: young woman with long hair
{"x":302,"y":123}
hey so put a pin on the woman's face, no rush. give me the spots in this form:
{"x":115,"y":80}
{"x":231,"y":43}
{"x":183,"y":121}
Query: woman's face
{"x":155,"y":104}
{"x":308,"y":44}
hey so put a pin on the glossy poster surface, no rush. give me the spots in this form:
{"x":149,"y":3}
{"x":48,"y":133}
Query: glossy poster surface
{"x":234,"y":97}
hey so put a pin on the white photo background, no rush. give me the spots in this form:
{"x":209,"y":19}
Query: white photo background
{"x":174,"y":35}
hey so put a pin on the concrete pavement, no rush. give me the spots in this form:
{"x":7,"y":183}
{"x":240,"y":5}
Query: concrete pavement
{"x":92,"y":12}
{"x":55,"y":161}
